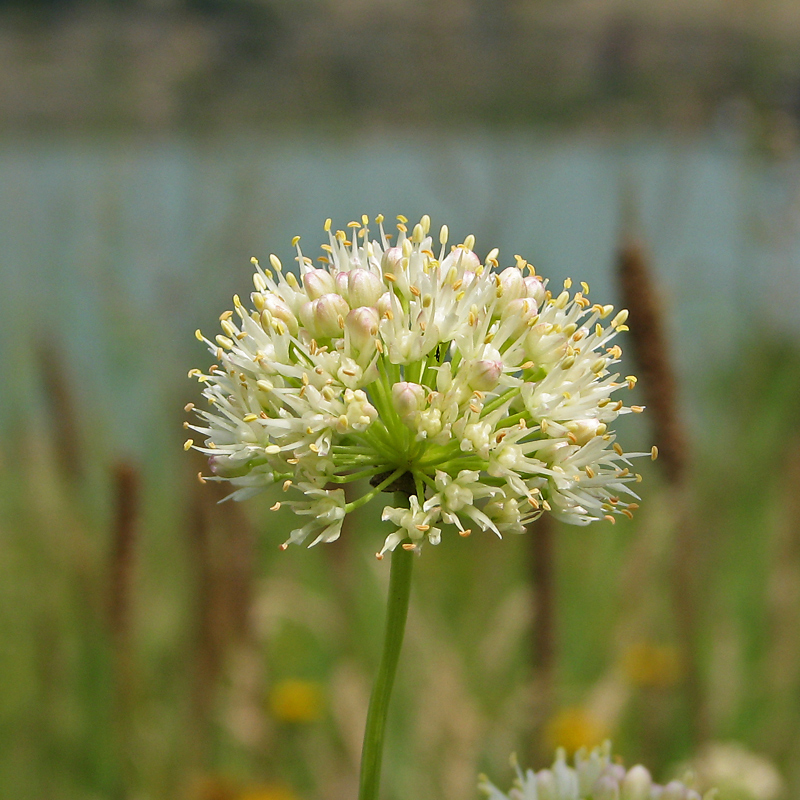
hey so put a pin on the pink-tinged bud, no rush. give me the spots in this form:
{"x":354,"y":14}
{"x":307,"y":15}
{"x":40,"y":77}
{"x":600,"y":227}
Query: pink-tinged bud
{"x":468,"y":259}
{"x":365,"y":288}
{"x":340,"y":282}
{"x":485,"y":374}
{"x":512,"y":284}
{"x":521,"y":311}
{"x":408,"y":399}
{"x":674,"y":790}
{"x":318,"y":282}
{"x":361,"y":325}
{"x":278,"y":309}
{"x":384,"y":304}
{"x":606,"y":788}
{"x":547,"y":788}
{"x":636,"y":784}
{"x":535,"y":290}
{"x":391,"y":258}
{"x":467,"y":279}
{"x":321,"y":316}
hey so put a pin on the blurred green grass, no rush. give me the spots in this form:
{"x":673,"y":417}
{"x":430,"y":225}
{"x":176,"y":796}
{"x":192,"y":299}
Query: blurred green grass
{"x":141,"y":649}
{"x":171,"y":698}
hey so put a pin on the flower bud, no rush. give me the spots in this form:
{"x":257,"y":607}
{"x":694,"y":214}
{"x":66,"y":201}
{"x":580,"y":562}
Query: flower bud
{"x":606,"y":788}
{"x":444,"y":377}
{"x":340,"y":282}
{"x":408,"y":399}
{"x":391,"y":258}
{"x":384,"y":304}
{"x":585,"y":430}
{"x":535,"y":290}
{"x":637,"y":784}
{"x":674,"y":790}
{"x":520,"y":310}
{"x":485,"y":374}
{"x":467,"y":259}
{"x":364,"y":287}
{"x":512,"y":287}
{"x":321,"y":316}
{"x":278,"y":309}
{"x":546,"y":786}
{"x":467,"y":279}
{"x":361,"y":325}
{"x":318,"y":282}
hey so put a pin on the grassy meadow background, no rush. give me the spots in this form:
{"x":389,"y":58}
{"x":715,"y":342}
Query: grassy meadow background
{"x":155,"y":644}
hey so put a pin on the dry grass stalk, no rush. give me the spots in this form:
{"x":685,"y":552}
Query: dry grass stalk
{"x":121,"y":571}
{"x":222,"y":544}
{"x":651,"y":352}
{"x":655,"y":368}
{"x":65,"y":430}
{"x":123,"y":546}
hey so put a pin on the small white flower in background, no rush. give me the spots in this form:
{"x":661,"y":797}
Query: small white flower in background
{"x":738,"y":773}
{"x":476,"y":391}
{"x":594,"y":777}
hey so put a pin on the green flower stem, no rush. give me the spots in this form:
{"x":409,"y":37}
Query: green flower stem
{"x":364,"y":499}
{"x":399,"y":592}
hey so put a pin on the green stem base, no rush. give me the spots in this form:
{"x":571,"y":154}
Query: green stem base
{"x":397,"y":611}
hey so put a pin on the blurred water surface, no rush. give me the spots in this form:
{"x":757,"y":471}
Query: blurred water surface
{"x":115,"y":250}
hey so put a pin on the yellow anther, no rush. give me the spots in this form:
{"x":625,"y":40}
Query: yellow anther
{"x":276,"y":506}
{"x":620,"y":318}
{"x":295,"y":240}
{"x":654,"y":453}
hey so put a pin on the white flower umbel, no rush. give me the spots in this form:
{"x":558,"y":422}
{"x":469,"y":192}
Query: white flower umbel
{"x":474,"y":390}
{"x":594,"y":777}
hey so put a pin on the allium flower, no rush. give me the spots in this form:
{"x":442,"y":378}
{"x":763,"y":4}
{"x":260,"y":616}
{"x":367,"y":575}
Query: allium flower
{"x":594,"y":777}
{"x":476,"y":391}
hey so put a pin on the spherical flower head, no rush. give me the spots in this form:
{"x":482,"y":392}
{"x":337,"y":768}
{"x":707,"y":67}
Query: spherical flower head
{"x":594,"y":776}
{"x":414,"y":366}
